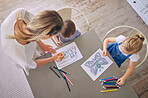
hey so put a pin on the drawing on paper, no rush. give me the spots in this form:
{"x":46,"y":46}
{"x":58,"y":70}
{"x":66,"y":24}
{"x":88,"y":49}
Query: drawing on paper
{"x":71,"y":55}
{"x":96,"y":63}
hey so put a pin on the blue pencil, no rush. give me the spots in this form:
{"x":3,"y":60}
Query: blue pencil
{"x":64,"y":71}
{"x":112,"y":80}
{"x":67,"y":84}
{"x":107,"y":78}
{"x":54,"y":72}
{"x":108,"y":84}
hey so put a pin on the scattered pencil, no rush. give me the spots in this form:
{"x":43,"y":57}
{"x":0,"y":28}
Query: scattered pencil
{"x":107,"y":78}
{"x":109,"y":90}
{"x":54,"y":72}
{"x":110,"y":87}
{"x":68,"y":79}
{"x":108,"y":84}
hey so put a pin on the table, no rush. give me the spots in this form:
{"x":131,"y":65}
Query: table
{"x":45,"y":84}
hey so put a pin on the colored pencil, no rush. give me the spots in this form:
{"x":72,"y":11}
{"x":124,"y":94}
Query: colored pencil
{"x":109,"y":90}
{"x":60,"y":73}
{"x":107,"y":78}
{"x":111,"y":87}
{"x":67,"y":84}
{"x":108,"y":84}
{"x":68,"y":79}
{"x":54,"y":72}
{"x":61,"y":70}
{"x":58,"y":57}
{"x":65,"y":71}
{"x":111,"y":80}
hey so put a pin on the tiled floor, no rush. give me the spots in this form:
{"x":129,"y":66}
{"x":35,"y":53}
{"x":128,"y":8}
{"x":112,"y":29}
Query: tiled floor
{"x":102,"y":15}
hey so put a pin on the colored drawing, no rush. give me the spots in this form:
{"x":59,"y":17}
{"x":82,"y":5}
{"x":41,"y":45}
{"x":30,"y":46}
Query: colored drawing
{"x":96,"y":64}
{"x":71,"y":55}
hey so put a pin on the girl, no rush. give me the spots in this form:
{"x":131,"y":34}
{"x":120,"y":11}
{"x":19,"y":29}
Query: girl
{"x":122,"y":48}
{"x":20,"y":32}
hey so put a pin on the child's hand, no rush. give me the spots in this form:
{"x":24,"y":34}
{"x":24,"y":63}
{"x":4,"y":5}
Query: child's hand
{"x":55,"y":57}
{"x":104,"y":52}
{"x":121,"y":81}
{"x":59,"y":43}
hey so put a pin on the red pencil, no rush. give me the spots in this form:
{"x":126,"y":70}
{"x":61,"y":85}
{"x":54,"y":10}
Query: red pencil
{"x":111,"y":79}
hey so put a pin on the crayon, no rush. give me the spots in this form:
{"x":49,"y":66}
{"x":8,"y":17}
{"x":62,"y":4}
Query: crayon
{"x":108,"y":84}
{"x":109,"y":90}
{"x":107,"y":78}
{"x":54,"y":72}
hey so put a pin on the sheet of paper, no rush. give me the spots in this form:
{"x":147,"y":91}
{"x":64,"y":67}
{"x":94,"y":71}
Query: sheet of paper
{"x":71,"y":55}
{"x":95,"y":65}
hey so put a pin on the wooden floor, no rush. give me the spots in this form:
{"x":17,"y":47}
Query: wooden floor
{"x":102,"y":16}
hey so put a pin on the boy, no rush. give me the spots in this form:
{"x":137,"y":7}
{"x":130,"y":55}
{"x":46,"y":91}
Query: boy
{"x":68,"y":33}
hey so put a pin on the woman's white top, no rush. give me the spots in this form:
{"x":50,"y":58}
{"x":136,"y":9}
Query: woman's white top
{"x":133,"y":57}
{"x":22,"y":55}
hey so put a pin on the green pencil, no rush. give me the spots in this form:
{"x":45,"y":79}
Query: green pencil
{"x":109,"y":82}
{"x":60,"y":73}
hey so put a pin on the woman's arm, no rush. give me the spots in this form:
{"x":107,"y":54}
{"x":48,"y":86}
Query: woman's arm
{"x":105,"y":43}
{"x":127,"y":73}
{"x":40,"y":62}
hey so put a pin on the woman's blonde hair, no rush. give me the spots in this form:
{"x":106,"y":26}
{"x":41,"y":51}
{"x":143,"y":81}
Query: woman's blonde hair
{"x":47,"y":22}
{"x":134,"y":43}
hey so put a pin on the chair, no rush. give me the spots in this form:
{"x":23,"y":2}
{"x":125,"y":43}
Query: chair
{"x":66,"y":13}
{"x":132,"y":32}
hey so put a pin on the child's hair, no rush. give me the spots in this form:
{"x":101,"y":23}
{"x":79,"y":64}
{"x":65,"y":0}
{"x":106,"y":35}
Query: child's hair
{"x":68,"y":29}
{"x":47,"y":22}
{"x":134,"y":43}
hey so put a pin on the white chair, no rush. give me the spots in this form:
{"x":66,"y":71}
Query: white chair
{"x":131,"y":32}
{"x":66,"y":13}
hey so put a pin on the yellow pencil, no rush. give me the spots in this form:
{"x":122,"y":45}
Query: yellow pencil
{"x":109,"y":90}
{"x":58,"y":57}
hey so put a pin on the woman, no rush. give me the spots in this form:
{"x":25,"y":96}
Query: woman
{"x":20,"y":32}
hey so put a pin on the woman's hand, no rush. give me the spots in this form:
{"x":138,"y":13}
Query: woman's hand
{"x":104,"y":52}
{"x":47,"y":48}
{"x":58,"y":55}
{"x":121,"y":81}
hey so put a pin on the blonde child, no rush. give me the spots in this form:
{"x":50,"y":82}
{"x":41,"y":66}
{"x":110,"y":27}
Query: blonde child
{"x":68,"y":33}
{"x":121,"y":48}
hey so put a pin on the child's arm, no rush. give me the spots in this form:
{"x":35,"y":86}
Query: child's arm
{"x":40,"y":62}
{"x":57,"y":40}
{"x":45,"y":47}
{"x":105,"y":43}
{"x":127,"y":73}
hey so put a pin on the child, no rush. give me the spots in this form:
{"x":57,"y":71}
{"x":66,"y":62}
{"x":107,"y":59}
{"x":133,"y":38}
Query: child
{"x":123,"y":48}
{"x":68,"y":33}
